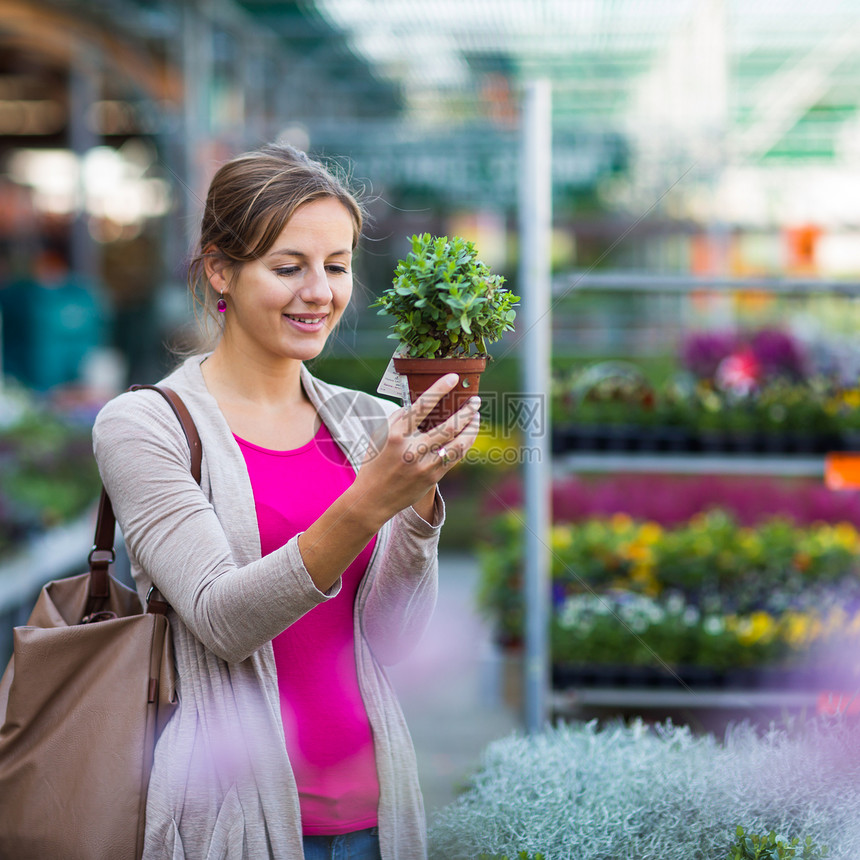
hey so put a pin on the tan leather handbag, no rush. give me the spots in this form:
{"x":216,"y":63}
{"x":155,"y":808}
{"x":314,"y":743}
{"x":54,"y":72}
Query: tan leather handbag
{"x":88,"y":690}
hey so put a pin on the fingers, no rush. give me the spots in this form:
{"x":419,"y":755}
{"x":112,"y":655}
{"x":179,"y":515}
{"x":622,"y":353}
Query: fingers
{"x":444,"y":444}
{"x":447,"y":444}
{"x":456,"y":424}
{"x":451,"y":440}
{"x":402,"y":469}
{"x":423,"y":406}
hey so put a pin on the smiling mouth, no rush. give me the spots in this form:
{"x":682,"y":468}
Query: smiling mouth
{"x":309,"y":320}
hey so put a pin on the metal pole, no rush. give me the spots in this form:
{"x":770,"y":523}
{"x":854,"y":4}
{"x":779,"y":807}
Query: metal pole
{"x":534,"y":276}
{"x":84,"y":86}
{"x":197,"y":79}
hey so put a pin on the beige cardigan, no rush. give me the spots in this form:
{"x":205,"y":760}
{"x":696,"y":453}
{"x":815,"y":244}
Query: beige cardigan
{"x":221,"y":785}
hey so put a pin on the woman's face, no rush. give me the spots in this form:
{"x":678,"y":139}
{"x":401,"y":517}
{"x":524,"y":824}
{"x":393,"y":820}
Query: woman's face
{"x":285,"y":304}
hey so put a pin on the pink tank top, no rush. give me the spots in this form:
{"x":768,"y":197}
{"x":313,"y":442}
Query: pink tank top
{"x":328,"y":734}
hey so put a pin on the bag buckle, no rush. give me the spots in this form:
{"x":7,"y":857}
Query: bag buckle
{"x":102,"y":555}
{"x":153,"y":604}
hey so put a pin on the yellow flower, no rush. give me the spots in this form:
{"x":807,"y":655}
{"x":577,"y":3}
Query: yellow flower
{"x":560,"y":537}
{"x":758,"y":627}
{"x":621,"y":523}
{"x":650,"y":533}
{"x":796,"y":629}
{"x":846,"y":536}
{"x":642,"y":573}
{"x":638,"y":551}
{"x":851,"y":398}
{"x":750,"y":541}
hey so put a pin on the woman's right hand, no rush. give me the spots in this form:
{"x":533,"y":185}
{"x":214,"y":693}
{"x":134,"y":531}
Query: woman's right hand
{"x":399,"y":471}
{"x":404,"y":467}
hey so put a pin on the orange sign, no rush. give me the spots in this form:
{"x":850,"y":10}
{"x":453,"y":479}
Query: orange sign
{"x":842,"y":470}
{"x":801,"y":245}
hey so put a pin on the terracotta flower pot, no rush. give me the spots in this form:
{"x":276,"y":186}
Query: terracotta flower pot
{"x":421,"y":373}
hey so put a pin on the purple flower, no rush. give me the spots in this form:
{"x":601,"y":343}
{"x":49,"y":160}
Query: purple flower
{"x":778,"y":354}
{"x":702,"y":352}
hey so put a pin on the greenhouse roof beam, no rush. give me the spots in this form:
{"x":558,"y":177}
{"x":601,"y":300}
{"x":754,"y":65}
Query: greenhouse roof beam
{"x":785,"y":97}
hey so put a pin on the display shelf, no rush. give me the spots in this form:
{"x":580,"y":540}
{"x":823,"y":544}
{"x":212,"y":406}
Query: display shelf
{"x":648,"y":698}
{"x":713,"y":710}
{"x":708,"y":710}
{"x":723,"y":464}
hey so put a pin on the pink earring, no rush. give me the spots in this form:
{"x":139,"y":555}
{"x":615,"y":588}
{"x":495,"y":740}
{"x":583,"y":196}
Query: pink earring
{"x":222,"y":303}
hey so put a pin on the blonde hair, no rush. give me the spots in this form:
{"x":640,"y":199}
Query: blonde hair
{"x":251,"y":198}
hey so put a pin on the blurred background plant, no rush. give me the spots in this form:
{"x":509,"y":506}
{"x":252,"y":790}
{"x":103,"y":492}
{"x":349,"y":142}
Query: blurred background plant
{"x":47,"y":471}
{"x":763,"y":382}
{"x":708,"y":592}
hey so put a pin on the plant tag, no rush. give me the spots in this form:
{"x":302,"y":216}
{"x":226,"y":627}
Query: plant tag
{"x":394,"y":384}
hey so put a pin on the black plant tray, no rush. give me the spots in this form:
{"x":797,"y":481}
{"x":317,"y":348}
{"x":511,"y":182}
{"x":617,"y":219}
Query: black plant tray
{"x":806,"y":678}
{"x":632,"y":439}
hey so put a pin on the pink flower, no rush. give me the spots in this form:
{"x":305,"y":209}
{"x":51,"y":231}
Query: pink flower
{"x":739,"y":373}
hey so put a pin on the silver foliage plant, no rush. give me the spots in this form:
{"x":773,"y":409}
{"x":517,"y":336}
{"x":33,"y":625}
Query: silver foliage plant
{"x":630,"y":792}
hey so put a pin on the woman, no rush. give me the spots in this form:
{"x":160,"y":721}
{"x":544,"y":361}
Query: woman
{"x":306,"y":559}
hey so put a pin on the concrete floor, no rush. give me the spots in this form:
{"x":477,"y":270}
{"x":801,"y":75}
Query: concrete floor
{"x":451,"y":687}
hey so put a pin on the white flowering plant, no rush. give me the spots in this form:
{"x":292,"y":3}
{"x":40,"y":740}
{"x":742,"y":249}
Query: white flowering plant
{"x":583,"y":792}
{"x":624,"y":628}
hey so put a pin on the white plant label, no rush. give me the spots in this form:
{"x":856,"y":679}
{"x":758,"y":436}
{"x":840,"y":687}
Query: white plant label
{"x":394,"y":384}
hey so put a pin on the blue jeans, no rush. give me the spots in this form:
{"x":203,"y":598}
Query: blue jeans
{"x":360,"y":845}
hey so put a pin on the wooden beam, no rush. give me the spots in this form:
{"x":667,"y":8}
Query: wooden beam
{"x":62,"y":36}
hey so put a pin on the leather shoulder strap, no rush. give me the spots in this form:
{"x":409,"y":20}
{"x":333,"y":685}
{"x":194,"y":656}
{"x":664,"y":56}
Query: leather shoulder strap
{"x":188,"y":427}
{"x":103,"y":553}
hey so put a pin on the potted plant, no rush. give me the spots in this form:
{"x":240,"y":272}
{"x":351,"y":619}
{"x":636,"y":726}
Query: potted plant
{"x":447,"y":307}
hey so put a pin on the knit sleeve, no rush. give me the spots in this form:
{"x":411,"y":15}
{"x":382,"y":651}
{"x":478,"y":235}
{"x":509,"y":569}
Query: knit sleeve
{"x":174,"y":535}
{"x":402,"y":595}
